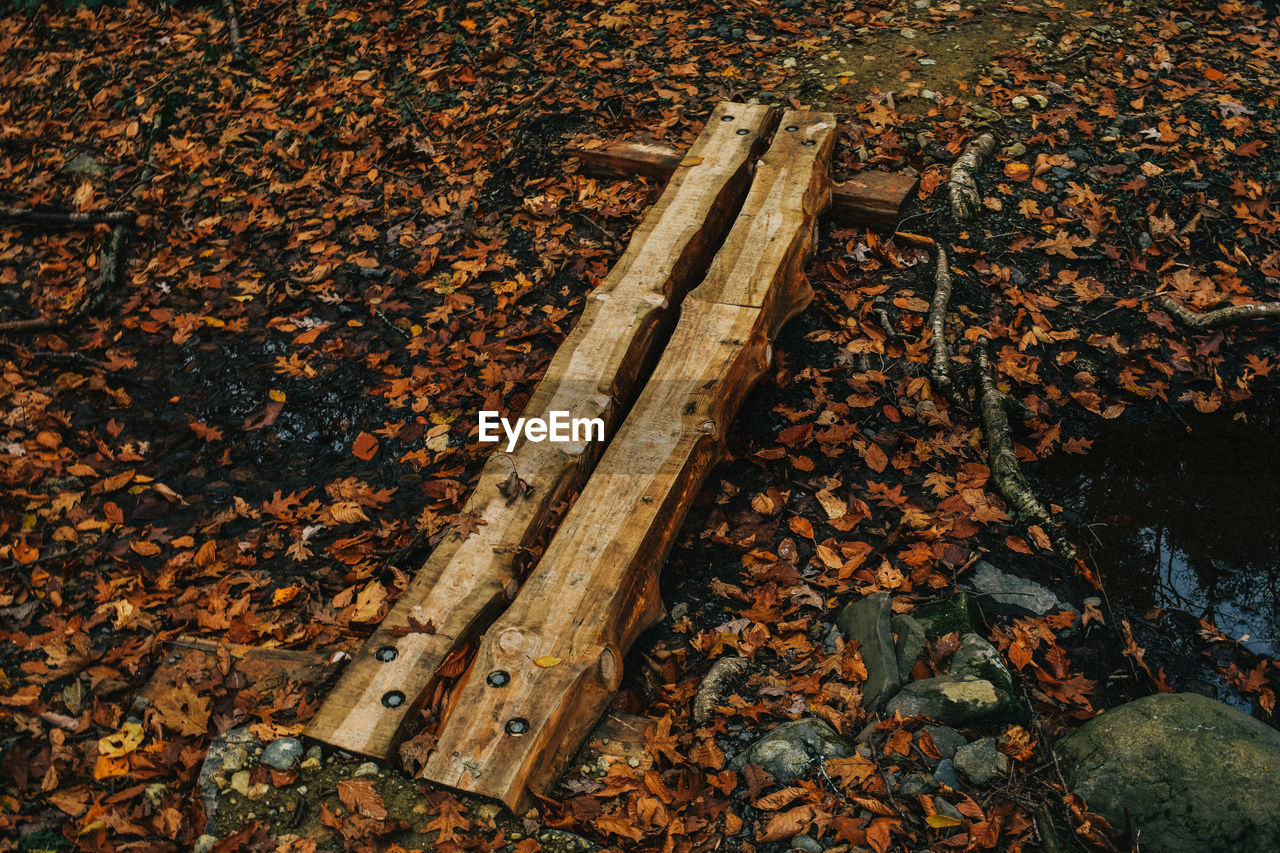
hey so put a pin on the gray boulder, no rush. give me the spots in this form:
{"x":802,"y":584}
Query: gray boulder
{"x":794,"y":749}
{"x":1188,"y":772}
{"x":949,"y":698}
{"x":866,"y":622}
{"x":978,"y":658}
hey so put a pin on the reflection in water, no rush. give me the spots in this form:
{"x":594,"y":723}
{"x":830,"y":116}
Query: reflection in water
{"x":1186,"y":521}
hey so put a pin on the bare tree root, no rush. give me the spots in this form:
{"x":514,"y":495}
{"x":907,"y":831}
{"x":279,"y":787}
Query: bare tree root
{"x":1003,"y":461}
{"x":233,"y":30}
{"x":110,"y":261}
{"x":65,"y":218}
{"x":966,"y":201}
{"x":885,"y":321}
{"x":714,"y":686}
{"x":1222,"y":316}
{"x":939,"y":358}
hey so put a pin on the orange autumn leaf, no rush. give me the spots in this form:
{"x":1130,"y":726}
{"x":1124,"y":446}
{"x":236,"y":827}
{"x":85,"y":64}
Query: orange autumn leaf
{"x":365,"y":446}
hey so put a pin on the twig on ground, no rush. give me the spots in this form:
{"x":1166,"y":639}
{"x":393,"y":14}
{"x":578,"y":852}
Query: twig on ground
{"x":1222,"y":316}
{"x":939,"y":358}
{"x":66,"y":218}
{"x":233,"y":29}
{"x":966,"y":201}
{"x":1003,"y":461}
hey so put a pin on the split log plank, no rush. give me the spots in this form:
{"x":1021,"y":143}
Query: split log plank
{"x":597,"y":372}
{"x":546,"y":669}
{"x":868,"y":198}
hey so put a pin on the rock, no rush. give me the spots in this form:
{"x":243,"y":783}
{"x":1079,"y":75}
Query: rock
{"x":1019,"y":102}
{"x":794,"y":749}
{"x":866,"y":622}
{"x":981,"y":762}
{"x":954,"y":614}
{"x":945,"y":773}
{"x":1192,"y":773}
{"x":806,"y":843}
{"x":84,"y":164}
{"x":1025,"y":597}
{"x":282,"y":753}
{"x":908,"y":645}
{"x":978,"y":658}
{"x":228,"y":753}
{"x":204,"y":844}
{"x":240,"y":782}
{"x":949,"y":698}
{"x":368,"y":770}
{"x":1017,"y":149}
{"x":946,"y":809}
{"x":946,"y":739}
{"x":915,"y":784}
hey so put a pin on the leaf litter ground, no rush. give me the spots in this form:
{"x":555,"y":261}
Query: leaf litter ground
{"x":353,"y":241}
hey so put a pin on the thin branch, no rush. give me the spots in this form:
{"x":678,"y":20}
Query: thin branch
{"x":1222,"y":316}
{"x":966,"y":201}
{"x":233,"y":29}
{"x":939,"y":358}
{"x":65,"y":218}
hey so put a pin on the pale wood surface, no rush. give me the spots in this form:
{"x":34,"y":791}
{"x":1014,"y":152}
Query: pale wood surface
{"x":560,"y":644}
{"x":868,"y":198}
{"x":596,"y":372}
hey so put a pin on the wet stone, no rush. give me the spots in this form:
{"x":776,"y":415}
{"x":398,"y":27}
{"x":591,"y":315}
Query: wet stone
{"x":947,"y":739}
{"x":866,"y":622}
{"x":283,"y":753}
{"x":981,"y":762}
{"x":910,"y":642}
{"x":807,"y":844}
{"x":205,"y":843}
{"x":949,"y":698}
{"x":368,"y":770}
{"x":945,"y":773}
{"x":1023,"y":596}
{"x":793,"y":749}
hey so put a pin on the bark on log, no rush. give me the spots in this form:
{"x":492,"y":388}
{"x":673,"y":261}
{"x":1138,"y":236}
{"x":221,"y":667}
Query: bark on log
{"x":597,"y":372}
{"x":233,"y":30}
{"x":1222,"y":316}
{"x":548,"y":668}
{"x":1003,"y":460}
{"x":966,"y":200}
{"x":868,"y":198}
{"x":939,"y":358}
{"x":65,"y":218}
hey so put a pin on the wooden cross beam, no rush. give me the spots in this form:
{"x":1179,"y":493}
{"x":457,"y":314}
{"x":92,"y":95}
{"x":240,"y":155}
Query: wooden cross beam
{"x":868,"y":198}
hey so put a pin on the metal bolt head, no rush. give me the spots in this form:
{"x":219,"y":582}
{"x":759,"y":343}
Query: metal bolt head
{"x":498,"y":678}
{"x":791,"y":128}
{"x":517,"y":726}
{"x":742,"y":131}
{"x":393,"y":699}
{"x":386,"y":654}
{"x":726,"y":118}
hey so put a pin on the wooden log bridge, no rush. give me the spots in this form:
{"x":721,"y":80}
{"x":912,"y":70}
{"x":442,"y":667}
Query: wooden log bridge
{"x":546,"y":668}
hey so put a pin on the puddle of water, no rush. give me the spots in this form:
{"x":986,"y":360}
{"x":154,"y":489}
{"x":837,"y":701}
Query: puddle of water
{"x":1184,"y":519}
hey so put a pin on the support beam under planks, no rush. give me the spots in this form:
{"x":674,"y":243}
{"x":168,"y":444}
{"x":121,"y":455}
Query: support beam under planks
{"x":596,"y":372}
{"x":868,"y":197}
{"x":546,"y":669}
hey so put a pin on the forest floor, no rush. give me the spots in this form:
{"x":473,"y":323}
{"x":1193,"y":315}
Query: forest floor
{"x":254,"y":425}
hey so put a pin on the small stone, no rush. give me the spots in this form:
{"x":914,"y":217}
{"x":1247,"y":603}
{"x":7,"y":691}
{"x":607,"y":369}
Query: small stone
{"x":680,"y":611}
{"x":240,"y":782}
{"x":1019,"y":102}
{"x":310,"y":764}
{"x":928,"y":61}
{"x":946,"y":809}
{"x":789,"y":62}
{"x":793,"y":749}
{"x":1041,"y":100}
{"x":981,"y":762}
{"x":1144,"y":240}
{"x":806,"y":844}
{"x":978,"y":658}
{"x":866,"y":622}
{"x":282,"y":753}
{"x":368,"y":770}
{"x":204,"y":843}
{"x":907,"y":33}
{"x":84,"y":164}
{"x":315,"y":752}
{"x":945,"y":773}
{"x":946,"y":739}
{"x":1093,"y":601}
{"x":915,"y":784}
{"x":1017,"y":149}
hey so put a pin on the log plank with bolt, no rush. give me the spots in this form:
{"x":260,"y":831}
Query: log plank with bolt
{"x":596,"y":372}
{"x":547,"y":668}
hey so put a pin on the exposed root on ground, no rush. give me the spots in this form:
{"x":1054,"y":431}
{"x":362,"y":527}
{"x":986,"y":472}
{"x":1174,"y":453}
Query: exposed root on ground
{"x":939,"y":358}
{"x":1003,"y":461}
{"x":233,"y":29}
{"x":1222,"y":316}
{"x":110,"y":260}
{"x":966,"y":201}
